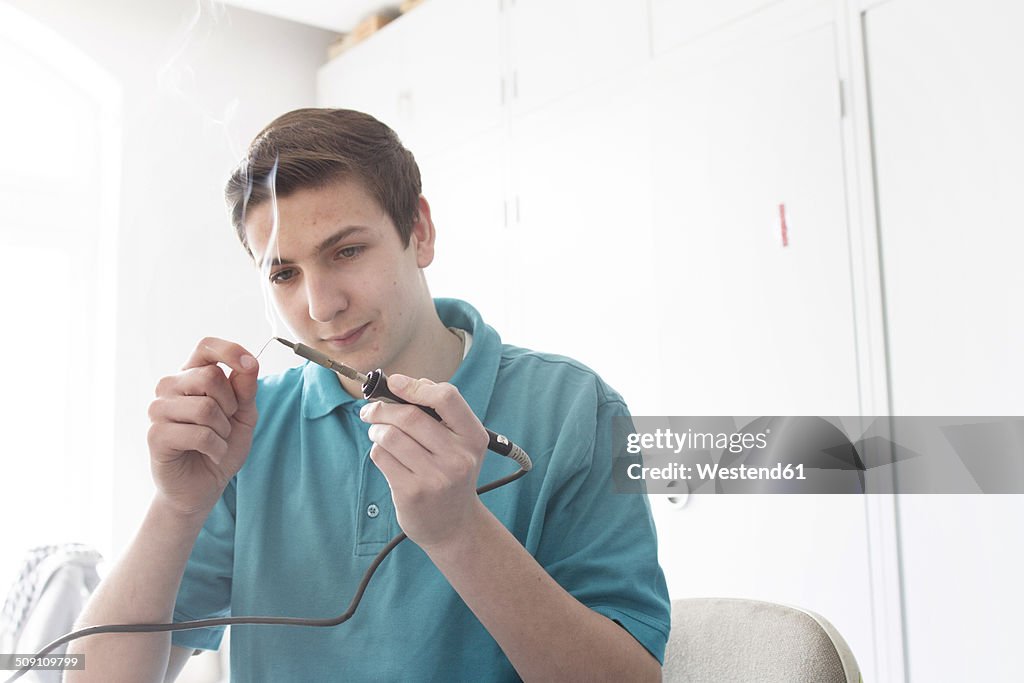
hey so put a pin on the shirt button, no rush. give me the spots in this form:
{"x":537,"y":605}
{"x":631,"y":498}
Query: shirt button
{"x":372,"y":510}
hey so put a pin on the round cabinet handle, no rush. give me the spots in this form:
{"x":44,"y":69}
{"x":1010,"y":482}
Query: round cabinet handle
{"x":678,"y":499}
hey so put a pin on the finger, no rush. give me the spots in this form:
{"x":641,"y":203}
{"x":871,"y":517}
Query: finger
{"x":403,"y":447}
{"x":244,"y":386}
{"x":174,"y":437}
{"x":211,"y":350}
{"x":397,"y":474}
{"x":199,"y":410}
{"x":427,"y":432}
{"x":444,"y":398}
{"x":208,"y":380}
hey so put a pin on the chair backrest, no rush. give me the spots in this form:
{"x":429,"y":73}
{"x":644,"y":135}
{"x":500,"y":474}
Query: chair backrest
{"x":724,"y":640}
{"x":52,"y":587}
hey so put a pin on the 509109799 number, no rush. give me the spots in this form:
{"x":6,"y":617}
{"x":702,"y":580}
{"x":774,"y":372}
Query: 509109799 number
{"x":47,"y":662}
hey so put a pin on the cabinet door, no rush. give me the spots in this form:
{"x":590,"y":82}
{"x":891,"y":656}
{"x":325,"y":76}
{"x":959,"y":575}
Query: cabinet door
{"x":454,"y":67}
{"x":675,"y":22}
{"x":750,"y":218}
{"x":373,"y":77}
{"x":434,"y":75}
{"x":755,"y":318}
{"x":947,"y":105}
{"x":580,"y":217}
{"x":465,"y":186}
{"x":561,"y":46}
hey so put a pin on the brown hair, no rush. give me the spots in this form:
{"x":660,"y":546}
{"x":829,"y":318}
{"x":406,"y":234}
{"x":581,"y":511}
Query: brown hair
{"x":313,"y":148}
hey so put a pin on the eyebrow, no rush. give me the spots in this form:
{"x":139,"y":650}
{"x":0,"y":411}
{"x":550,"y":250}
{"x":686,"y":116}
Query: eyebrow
{"x":326,"y":244}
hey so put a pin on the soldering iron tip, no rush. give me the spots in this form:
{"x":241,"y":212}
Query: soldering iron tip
{"x":290,"y":345}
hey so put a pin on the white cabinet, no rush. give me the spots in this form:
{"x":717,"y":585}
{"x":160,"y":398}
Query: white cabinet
{"x":527,"y":149}
{"x":950,"y":168}
{"x":753,"y":259}
{"x":581,"y":222}
{"x":756,"y":313}
{"x":454,"y":65}
{"x":373,"y":77}
{"x":465,"y":186}
{"x":560,"y":46}
{"x":453,"y":68}
{"x":683,"y":223}
{"x":433,"y":75}
{"x":947,"y":105}
{"x":675,"y":22}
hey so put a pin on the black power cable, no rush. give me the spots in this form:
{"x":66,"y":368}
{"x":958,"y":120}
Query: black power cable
{"x":231,"y":621}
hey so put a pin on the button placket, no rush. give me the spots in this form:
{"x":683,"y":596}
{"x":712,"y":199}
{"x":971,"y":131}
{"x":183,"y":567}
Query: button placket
{"x":373,"y":517}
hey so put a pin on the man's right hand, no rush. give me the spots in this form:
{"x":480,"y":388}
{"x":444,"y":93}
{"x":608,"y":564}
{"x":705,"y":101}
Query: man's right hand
{"x":202,"y":428}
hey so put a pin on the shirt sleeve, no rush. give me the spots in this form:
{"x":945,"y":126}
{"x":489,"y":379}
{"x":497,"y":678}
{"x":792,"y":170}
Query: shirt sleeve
{"x":205,"y":591}
{"x":601,"y":546}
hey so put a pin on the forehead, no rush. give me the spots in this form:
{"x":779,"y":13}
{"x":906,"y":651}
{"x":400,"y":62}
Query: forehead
{"x":307,"y":215}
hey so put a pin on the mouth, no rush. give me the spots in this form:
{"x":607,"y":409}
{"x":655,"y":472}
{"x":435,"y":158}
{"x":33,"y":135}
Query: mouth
{"x":347,"y":339}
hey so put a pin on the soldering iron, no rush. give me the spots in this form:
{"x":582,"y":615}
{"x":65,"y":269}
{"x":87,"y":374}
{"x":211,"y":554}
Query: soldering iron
{"x":374,"y":388}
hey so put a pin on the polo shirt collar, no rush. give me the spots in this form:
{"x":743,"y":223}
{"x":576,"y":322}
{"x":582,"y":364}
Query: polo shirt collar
{"x":322,"y":393}
{"x":477,"y":373}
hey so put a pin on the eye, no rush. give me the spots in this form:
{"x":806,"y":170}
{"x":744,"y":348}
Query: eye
{"x":349,"y":253}
{"x":282,"y":276}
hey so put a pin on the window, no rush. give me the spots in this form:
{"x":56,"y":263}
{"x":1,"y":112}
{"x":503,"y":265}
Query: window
{"x":58,"y":199}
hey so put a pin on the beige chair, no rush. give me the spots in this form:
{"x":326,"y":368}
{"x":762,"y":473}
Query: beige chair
{"x":724,"y":640}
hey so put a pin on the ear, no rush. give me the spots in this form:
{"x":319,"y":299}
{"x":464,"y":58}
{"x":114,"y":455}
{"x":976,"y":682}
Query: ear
{"x":423,"y":234}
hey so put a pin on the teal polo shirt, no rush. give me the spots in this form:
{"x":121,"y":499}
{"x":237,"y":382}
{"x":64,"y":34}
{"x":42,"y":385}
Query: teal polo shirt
{"x":299,"y":524}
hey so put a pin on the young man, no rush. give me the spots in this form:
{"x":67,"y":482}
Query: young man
{"x":273,"y":496}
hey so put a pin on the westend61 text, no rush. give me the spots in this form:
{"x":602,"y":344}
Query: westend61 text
{"x":712,"y":471}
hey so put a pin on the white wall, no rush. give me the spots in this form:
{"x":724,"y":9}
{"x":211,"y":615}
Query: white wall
{"x":198,"y":81}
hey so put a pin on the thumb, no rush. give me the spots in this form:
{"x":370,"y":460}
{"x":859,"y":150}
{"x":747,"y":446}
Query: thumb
{"x":244,"y":383}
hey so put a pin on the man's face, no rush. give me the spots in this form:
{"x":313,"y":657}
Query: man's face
{"x":340,"y":277}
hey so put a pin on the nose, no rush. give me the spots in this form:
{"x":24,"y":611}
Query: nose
{"x":326,"y":299}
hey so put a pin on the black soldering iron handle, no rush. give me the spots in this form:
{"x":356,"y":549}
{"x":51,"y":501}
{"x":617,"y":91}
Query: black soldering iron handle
{"x":376,"y":389}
